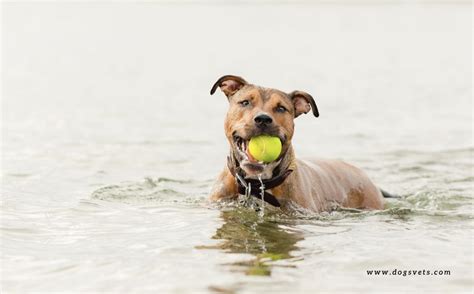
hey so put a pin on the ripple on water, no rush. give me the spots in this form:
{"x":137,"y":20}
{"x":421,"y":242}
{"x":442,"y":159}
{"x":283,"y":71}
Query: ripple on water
{"x":431,"y":196}
{"x":154,"y":191}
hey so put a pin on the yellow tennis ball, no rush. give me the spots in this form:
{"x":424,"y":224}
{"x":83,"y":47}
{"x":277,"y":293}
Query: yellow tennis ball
{"x":265,"y":148}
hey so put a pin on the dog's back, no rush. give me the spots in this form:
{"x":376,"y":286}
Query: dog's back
{"x":325,"y":182}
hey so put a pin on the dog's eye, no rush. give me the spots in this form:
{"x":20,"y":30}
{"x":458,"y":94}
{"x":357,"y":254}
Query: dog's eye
{"x":280,"y":109}
{"x":244,"y":103}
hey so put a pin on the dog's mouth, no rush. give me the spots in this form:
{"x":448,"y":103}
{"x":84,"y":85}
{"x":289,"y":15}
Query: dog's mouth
{"x":242,"y":146}
{"x":246,"y":160}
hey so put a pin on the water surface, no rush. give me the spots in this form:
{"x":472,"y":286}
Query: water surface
{"x":111,"y":143}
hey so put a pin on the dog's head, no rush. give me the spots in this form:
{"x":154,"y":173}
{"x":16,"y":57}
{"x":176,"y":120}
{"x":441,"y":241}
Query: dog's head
{"x":254,"y":111}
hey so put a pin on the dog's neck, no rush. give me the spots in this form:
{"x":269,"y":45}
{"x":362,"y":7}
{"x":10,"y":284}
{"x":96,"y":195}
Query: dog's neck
{"x":259,"y":188}
{"x":278,"y":168}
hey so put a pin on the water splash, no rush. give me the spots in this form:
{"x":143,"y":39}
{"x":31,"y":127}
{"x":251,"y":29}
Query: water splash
{"x":248,"y":200}
{"x":262,"y":195}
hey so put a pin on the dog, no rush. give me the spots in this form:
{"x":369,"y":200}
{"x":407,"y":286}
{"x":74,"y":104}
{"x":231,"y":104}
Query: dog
{"x":316,"y":185}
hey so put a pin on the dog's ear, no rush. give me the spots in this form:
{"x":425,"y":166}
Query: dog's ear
{"x":229,"y":85}
{"x":303,"y":103}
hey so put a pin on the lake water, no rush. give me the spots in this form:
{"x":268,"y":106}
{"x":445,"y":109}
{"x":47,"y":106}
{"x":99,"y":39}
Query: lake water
{"x":110,"y":143}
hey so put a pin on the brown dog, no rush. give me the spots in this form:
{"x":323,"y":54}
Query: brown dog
{"x":316,"y":185}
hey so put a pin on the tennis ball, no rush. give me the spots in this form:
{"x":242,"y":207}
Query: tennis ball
{"x":265,"y":148}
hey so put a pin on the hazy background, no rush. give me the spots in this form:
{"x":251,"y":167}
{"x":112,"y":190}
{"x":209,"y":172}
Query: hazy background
{"x":105,"y":94}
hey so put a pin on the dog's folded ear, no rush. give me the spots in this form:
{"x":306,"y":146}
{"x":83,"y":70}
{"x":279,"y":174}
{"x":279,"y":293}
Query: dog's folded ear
{"x":229,"y":85}
{"x":303,"y":103}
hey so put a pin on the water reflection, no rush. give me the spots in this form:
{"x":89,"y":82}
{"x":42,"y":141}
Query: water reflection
{"x":244,"y":231}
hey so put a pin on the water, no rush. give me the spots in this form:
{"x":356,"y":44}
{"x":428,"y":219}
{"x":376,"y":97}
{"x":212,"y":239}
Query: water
{"x":110,"y":143}
{"x":262,"y":196}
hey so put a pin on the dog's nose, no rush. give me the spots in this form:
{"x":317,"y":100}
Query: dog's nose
{"x":263,"y":120}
